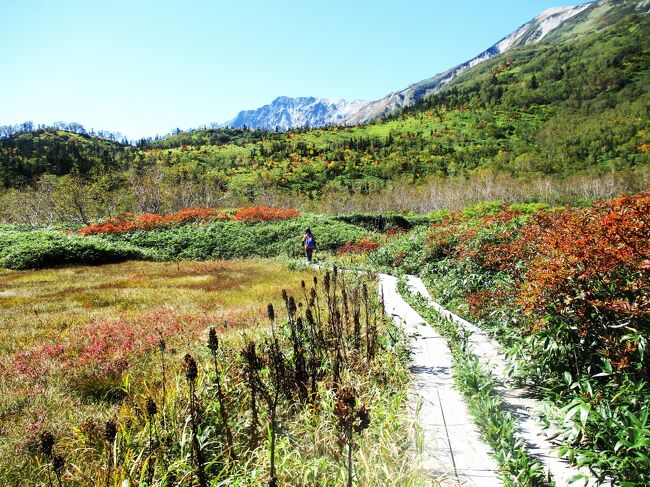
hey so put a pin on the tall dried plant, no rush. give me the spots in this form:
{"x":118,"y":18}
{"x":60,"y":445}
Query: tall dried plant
{"x":191,"y":374}
{"x":352,"y":419}
{"x":110,"y":433}
{"x":213,"y":345}
{"x":152,"y":410}
{"x":253,"y":364}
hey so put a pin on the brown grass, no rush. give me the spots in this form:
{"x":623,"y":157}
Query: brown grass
{"x":40,"y":310}
{"x":38,"y":305}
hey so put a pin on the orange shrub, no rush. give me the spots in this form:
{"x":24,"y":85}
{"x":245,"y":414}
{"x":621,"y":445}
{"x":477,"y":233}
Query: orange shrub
{"x":579,"y":275}
{"x":127,"y":222}
{"x":264,"y":213}
{"x":360,"y":246}
{"x":391,"y":232}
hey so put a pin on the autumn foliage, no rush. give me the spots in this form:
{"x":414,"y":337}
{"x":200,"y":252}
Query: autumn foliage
{"x":580,"y":275}
{"x":359,"y":246}
{"x":264,"y":213}
{"x":127,"y":222}
{"x":591,"y":271}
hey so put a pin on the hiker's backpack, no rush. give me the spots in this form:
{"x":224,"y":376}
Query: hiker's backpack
{"x":310,"y":243}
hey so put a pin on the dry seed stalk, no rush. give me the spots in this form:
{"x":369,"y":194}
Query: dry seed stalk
{"x":277,"y":369}
{"x":162,"y":346}
{"x":352,"y":419}
{"x":213,"y":345}
{"x":152,"y":409}
{"x":253,"y":366}
{"x":46,"y":446}
{"x":110,"y":433}
{"x":191,"y":374}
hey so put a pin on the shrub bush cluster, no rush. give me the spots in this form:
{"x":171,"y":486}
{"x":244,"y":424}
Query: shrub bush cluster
{"x":128,"y":222}
{"x":48,"y":248}
{"x":264,"y":213}
{"x":214,"y":239}
{"x":238,"y":239}
{"x":360,"y":246}
{"x":579,"y":276}
{"x":377,"y":222}
{"x":567,"y":291}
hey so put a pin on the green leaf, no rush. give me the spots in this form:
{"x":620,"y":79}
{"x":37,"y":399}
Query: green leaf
{"x":585,"y":409}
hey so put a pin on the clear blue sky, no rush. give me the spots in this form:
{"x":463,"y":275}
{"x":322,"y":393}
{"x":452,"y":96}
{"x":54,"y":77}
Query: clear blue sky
{"x":143,"y":67}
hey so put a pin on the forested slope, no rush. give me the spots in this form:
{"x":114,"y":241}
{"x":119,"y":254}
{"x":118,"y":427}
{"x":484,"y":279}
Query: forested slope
{"x":573,"y":105}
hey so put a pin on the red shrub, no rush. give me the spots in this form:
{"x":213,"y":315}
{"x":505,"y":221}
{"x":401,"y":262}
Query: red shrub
{"x":264,"y":213}
{"x":604,"y":249}
{"x":360,"y":246}
{"x":590,"y":270}
{"x":127,"y":222}
{"x":442,"y":239}
{"x":481,"y":302}
{"x":488,"y":244}
{"x":391,"y":232}
{"x":198,"y":214}
{"x":581,"y":276}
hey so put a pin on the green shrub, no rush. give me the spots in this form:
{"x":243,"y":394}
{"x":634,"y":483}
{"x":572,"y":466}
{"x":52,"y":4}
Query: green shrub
{"x":391,"y":220}
{"x":46,"y":248}
{"x":437,"y":216}
{"x":402,"y":253}
{"x":528,"y":208}
{"x":219,"y":240}
{"x":483,"y":209}
{"x":232,"y":239}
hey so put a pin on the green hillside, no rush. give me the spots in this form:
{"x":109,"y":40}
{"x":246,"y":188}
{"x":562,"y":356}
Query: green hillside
{"x":27,"y":155}
{"x":575,"y":104}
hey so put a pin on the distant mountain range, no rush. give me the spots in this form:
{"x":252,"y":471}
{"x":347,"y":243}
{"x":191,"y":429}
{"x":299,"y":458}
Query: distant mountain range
{"x":285,"y":113}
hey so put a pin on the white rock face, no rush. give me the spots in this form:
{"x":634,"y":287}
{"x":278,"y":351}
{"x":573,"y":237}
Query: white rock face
{"x":550,"y":19}
{"x":286,"y":113}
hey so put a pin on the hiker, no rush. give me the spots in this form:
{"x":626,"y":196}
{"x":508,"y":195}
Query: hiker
{"x":379,"y":223}
{"x":309,"y":243}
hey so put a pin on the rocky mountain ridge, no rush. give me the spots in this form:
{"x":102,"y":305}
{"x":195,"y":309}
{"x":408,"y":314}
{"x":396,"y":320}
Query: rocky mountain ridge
{"x":284,"y":113}
{"x":553,"y":24}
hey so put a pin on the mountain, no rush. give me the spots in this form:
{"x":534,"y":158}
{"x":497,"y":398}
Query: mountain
{"x":285,"y":113}
{"x":526,"y":122}
{"x":530,"y":33}
{"x":553,"y":24}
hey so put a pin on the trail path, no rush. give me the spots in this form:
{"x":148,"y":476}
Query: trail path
{"x":519,"y":401}
{"x":452,"y":450}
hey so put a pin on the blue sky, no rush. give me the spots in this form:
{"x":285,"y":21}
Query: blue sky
{"x":143,"y":67}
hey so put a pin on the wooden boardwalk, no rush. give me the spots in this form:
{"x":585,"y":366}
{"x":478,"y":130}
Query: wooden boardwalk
{"x":519,"y":402}
{"x":448,"y":444}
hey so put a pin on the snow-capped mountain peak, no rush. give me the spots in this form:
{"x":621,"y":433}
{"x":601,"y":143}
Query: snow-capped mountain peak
{"x":551,"y":18}
{"x":286,"y":113}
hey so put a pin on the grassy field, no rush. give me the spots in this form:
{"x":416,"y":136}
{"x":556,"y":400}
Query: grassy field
{"x":58,"y":364}
{"x":48,"y":305}
{"x":81,"y":346}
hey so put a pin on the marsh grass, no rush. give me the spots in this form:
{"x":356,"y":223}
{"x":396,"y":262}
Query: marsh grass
{"x":296,"y":428}
{"x":61,"y":363}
